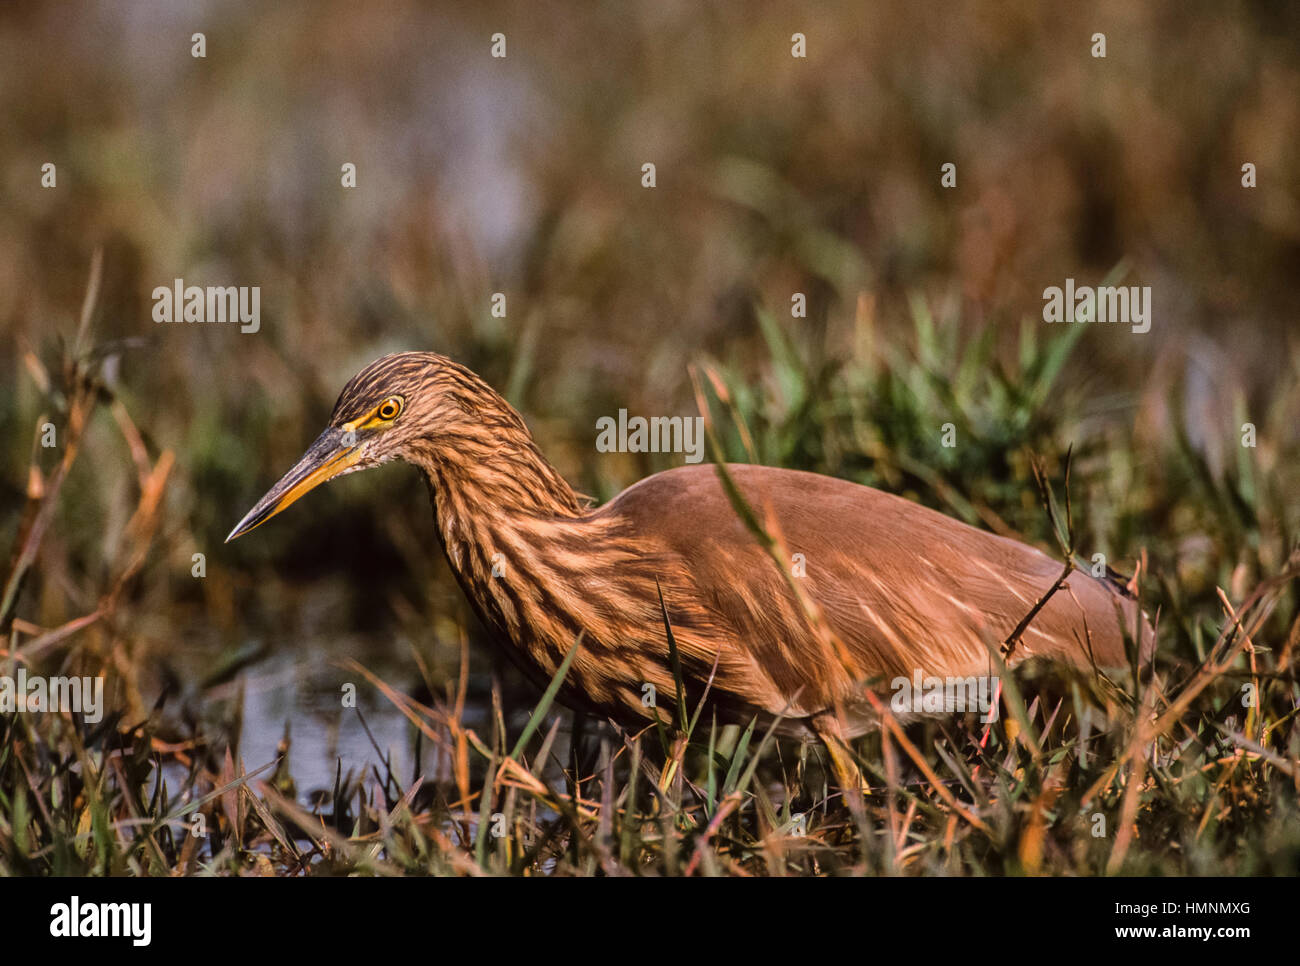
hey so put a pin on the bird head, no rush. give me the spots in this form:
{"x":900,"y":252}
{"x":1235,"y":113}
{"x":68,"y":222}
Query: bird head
{"x":389,"y":404}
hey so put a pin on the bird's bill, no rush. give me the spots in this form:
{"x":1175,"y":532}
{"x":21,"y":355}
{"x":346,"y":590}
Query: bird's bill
{"x":325,"y":459}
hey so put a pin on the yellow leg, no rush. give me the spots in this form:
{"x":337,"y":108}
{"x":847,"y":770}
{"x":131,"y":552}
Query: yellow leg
{"x":846,"y":769}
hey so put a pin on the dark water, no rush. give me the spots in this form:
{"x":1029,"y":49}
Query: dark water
{"x":301,"y":685}
{"x":304,"y":692}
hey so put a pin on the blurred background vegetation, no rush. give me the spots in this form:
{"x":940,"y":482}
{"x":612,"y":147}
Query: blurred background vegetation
{"x":522,"y":175}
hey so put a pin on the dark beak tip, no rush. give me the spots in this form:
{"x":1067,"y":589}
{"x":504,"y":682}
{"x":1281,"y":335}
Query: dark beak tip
{"x":249,"y":522}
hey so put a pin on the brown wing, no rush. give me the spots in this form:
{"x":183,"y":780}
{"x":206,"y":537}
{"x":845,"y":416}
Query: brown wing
{"x":904,"y":587}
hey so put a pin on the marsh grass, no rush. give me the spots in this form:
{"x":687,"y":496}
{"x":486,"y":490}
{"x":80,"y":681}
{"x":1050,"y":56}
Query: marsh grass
{"x":1168,"y":771}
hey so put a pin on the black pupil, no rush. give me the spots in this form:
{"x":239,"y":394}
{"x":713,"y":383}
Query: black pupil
{"x":388,"y":410}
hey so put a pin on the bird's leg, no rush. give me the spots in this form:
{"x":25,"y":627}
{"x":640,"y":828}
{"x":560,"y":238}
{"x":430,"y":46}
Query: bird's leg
{"x":847,"y":773}
{"x":673,"y":766}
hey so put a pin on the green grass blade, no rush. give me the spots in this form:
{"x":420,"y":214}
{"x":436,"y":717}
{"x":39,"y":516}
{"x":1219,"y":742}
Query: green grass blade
{"x":548,"y":696}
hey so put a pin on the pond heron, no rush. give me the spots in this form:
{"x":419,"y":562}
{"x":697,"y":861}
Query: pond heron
{"x":884,"y":589}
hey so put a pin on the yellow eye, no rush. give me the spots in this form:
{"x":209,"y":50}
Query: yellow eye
{"x":389,"y":408}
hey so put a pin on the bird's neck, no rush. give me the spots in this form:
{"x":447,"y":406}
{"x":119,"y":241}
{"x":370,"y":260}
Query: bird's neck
{"x":506,"y":478}
{"x":496,"y":500}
